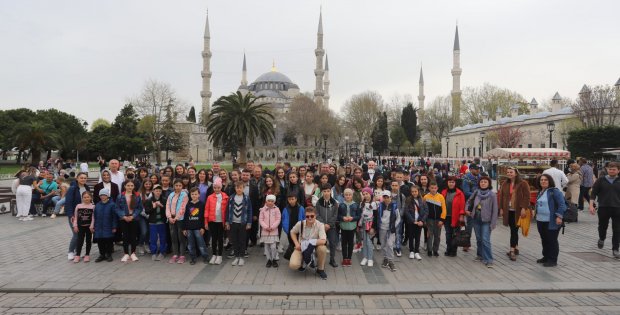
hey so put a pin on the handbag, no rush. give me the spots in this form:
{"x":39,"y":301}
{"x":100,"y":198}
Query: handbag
{"x":462,"y":237}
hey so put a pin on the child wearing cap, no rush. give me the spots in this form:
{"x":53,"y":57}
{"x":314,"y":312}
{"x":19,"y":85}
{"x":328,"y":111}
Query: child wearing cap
{"x":105,"y":223}
{"x":387,"y":219}
{"x":155,"y":208}
{"x":269,"y":219}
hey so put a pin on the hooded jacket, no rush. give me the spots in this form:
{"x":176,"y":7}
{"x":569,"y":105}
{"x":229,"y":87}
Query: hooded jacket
{"x":327,"y":211}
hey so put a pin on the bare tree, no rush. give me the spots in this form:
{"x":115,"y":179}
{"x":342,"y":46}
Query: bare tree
{"x":506,"y":136}
{"x":488,"y":98}
{"x":394,"y":108}
{"x":598,"y":106}
{"x":437,"y":119}
{"x":310,"y":121}
{"x":360,"y":113}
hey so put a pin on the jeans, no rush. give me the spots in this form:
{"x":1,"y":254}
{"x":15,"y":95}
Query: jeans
{"x":36,"y":197}
{"x":238,"y":238}
{"x":399,"y":235}
{"x":73,"y":241}
{"x":414,"y":231}
{"x":367,"y":248}
{"x":584,"y":193}
{"x":604,"y":214}
{"x":549,"y":240}
{"x":177,"y":240}
{"x":483,"y":238}
{"x":47,"y":203}
{"x":387,"y":244}
{"x":514,"y":229}
{"x":158,"y":232}
{"x":434,"y":235}
{"x":469,"y":221}
{"x":84,"y":234}
{"x":143,"y":234}
{"x":332,"y":240}
{"x":449,"y":236}
{"x":195,"y":240}
{"x":58,"y":203}
{"x":347,"y":243}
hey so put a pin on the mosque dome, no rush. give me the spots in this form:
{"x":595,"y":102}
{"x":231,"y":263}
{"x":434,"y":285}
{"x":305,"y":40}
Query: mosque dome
{"x":272,"y":81}
{"x":273,"y":76}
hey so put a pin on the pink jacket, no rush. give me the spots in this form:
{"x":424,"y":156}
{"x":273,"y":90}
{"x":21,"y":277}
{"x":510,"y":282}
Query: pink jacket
{"x":269,"y":218}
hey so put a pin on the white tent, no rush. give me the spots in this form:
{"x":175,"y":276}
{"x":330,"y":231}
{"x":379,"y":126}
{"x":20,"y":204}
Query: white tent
{"x":528,"y":153}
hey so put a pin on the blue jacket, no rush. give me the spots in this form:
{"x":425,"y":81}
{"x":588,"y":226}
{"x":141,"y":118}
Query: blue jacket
{"x":105,"y":219}
{"x":354,"y":209}
{"x":247,"y":208}
{"x":410,"y":210}
{"x":73,"y":198}
{"x":557,"y":206}
{"x":394,"y":213}
{"x":122,"y":208}
{"x":470,"y":185}
{"x":286,"y":220}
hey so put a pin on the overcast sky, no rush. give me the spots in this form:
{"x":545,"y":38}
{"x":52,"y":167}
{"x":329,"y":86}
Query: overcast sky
{"x":87,"y":57}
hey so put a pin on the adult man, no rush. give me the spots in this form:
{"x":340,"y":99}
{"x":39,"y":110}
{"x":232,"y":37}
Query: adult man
{"x":586,"y":182}
{"x":47,"y":189}
{"x":250,"y":165}
{"x":559,"y":178}
{"x":257,"y":176}
{"x":250,"y":189}
{"x":216,"y":170}
{"x":309,"y":238}
{"x":371,"y":173}
{"x":399,"y":199}
{"x":606,"y":191}
{"x":331,"y":179}
{"x":117,"y":176}
{"x":327,"y":212}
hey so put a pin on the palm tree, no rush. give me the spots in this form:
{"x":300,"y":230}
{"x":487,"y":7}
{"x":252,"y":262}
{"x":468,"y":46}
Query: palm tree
{"x":240,"y":119}
{"x":35,"y":136}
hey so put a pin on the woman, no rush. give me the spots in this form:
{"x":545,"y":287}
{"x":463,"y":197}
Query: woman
{"x":202,"y":184}
{"x":106,"y":182}
{"x":143,"y":174}
{"x":423,"y":184}
{"x":210,"y":176}
{"x":191,"y":171}
{"x":72,"y":199}
{"x":550,"y":208}
{"x":574,"y":182}
{"x":294,"y":188}
{"x":482,"y":209}
{"x":23,"y":193}
{"x":338,"y":189}
{"x":128,"y":209}
{"x":281,"y":178}
{"x":270,"y":188}
{"x":146,"y":190}
{"x":455,"y":211}
{"x":179,"y":170}
{"x":514,"y":201}
{"x":347,"y":171}
{"x":154,"y":179}
{"x":310,"y":189}
{"x":169,"y":171}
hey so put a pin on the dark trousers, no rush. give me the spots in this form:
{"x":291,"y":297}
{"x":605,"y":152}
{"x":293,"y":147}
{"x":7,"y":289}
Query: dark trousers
{"x":105,"y":246}
{"x":413,"y":235}
{"x":252,"y":235}
{"x":238,"y":238}
{"x":84,"y":234}
{"x":604,"y":214}
{"x":449,"y":236}
{"x":332,"y":240}
{"x":130,"y":236}
{"x":514,"y":229}
{"x":347,"y":243}
{"x":584,"y":193}
{"x":217,"y":237}
{"x":36,"y":197}
{"x":549,"y":240}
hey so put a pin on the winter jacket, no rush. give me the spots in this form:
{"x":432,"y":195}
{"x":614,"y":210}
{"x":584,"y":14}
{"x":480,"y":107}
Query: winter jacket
{"x":394,"y":214}
{"x":287,"y":219}
{"x":411,"y":205}
{"x":489,"y":209}
{"x":105,"y":219}
{"x":354,"y":211}
{"x":210,"y":207}
{"x":605,"y":193}
{"x":246,"y":217}
{"x":269,"y":218}
{"x":73,"y":198}
{"x":470,"y":184}
{"x":122,"y":208}
{"x":436,"y":206}
{"x":557,"y":206}
{"x":152,"y":212}
{"x":327,"y":211}
{"x":458,"y":206}
{"x":520,"y":199}
{"x":176,"y":206}
{"x":114,"y":191}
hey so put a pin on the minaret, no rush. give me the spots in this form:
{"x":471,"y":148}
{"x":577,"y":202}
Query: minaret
{"x":456,"y":80}
{"x":421,"y":93}
{"x":243,"y":88}
{"x":319,"y":72}
{"x":326,"y":83}
{"x":206,"y":74}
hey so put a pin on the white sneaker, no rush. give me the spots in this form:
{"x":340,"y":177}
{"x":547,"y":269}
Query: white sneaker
{"x":20,"y":218}
{"x":53,"y":216}
{"x":241,"y":262}
{"x":411,"y":255}
{"x":62,"y":210}
{"x":377,"y":247}
{"x":141,"y":250}
{"x":44,"y":215}
{"x":218,"y":260}
{"x":154,"y":257}
{"x":70,"y":256}
{"x":212,"y":260}
{"x":363,"y":262}
{"x":371,"y":263}
{"x":417,"y":256}
{"x":328,"y":251}
{"x":125,"y":258}
{"x":28,"y":218}
{"x":280,"y":249}
{"x":339,"y":248}
{"x":134,"y":257}
{"x":235,"y":261}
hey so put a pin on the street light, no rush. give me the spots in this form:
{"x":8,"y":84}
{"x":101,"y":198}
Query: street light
{"x":457,"y":149}
{"x":277,"y":144}
{"x":479,"y":147}
{"x":482,"y":135}
{"x":550,"y":128}
{"x":448,"y":146}
{"x":196,"y":161}
{"x":325,"y":146}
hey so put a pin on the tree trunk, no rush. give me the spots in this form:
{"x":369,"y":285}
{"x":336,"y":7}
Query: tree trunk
{"x":242,"y":158}
{"x":35,"y":155}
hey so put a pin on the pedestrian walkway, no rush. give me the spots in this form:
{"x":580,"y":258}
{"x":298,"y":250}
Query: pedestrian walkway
{"x":33,"y":259}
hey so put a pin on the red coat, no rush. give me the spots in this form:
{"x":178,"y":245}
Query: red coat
{"x":458,"y":206}
{"x":210,"y":207}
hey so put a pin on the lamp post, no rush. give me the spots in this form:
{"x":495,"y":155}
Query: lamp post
{"x":479,"y":147}
{"x":457,"y":149}
{"x":482,"y":135}
{"x":325,"y":146}
{"x":275,"y":131}
{"x":196,"y":161}
{"x":550,"y":128}
{"x":448,"y":146}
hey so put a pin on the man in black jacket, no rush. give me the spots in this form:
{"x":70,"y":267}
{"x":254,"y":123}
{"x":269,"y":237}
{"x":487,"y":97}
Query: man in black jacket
{"x":606,"y":191}
{"x":250,"y":189}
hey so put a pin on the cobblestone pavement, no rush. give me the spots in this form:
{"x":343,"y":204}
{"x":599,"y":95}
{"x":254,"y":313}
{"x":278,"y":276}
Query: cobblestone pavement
{"x":33,"y":259}
{"x":521,"y":303}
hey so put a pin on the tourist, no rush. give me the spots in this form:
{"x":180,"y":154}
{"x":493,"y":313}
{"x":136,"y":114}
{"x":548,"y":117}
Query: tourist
{"x":155,"y":208}
{"x":105,"y":225}
{"x":106,"y":183}
{"x":558,"y":175}
{"x":250,"y":189}
{"x":291,"y":214}
{"x":59,"y":198}
{"x":436,"y":216}
{"x":269,"y":219}
{"x":327,"y":213}
{"x":455,"y":212}
{"x":482,"y":209}
{"x":72,"y":199}
{"x":186,"y":182}
{"x":215,"y":218}
{"x":238,"y":221}
{"x":309,"y":237}
{"x":154,"y":179}
{"x":175,"y":211}
{"x":116,"y":176}
{"x":191,"y":172}
{"x":469,"y":186}
{"x":47,"y":188}
{"x":514,"y":201}
{"x":606,"y":192}
{"x":399,"y":199}
{"x":369,"y":208}
{"x":310,"y":189}
{"x":179,"y":170}
{"x":83,"y":225}
{"x":202,"y":184}
{"x":387,"y":219}
{"x":146,"y":190}
{"x":294,"y":187}
{"x":348,"y":217}
{"x":23,"y":193}
{"x":550,"y":208}
{"x":194,"y":226}
{"x":128,"y":208}
{"x":574,"y":182}
{"x":586,"y":182}
{"x":338,"y":189}
{"x":416,"y":212}
{"x":166,"y":188}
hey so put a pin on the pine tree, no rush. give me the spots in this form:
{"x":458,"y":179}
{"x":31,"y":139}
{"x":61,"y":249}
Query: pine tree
{"x":192,"y":115}
{"x":409,"y":121}
{"x":380,"y":136}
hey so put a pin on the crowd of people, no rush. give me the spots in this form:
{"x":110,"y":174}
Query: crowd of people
{"x":307,"y":214}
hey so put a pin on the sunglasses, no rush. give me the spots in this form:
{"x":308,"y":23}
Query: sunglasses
{"x":310,"y":217}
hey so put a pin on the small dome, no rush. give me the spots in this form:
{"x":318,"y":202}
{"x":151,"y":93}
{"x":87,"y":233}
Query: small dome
{"x":273,"y":76}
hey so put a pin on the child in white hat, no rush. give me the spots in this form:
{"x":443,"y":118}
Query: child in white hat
{"x":269,"y":219}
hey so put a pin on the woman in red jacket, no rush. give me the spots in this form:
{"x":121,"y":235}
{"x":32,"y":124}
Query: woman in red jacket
{"x":215,"y":218}
{"x":455,"y":206}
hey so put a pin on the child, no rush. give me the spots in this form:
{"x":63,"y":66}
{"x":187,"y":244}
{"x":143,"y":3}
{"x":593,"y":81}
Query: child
{"x":105,"y":225}
{"x":369,"y":212}
{"x":175,"y":210}
{"x":215,"y":217}
{"x":387,"y":219}
{"x":416,"y":212}
{"x":436,"y":215}
{"x":238,"y":221}
{"x":155,"y":208}
{"x":83,"y":225}
{"x":194,"y":226}
{"x":292,"y":214}
{"x":348,"y":216}
{"x":129,"y":206}
{"x":269,"y":219}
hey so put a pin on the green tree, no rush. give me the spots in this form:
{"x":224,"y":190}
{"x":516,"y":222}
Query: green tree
{"x":70,"y":132}
{"x":100,"y":122}
{"x":289,"y":137}
{"x":242,"y":118}
{"x":36,"y":136}
{"x":9,"y":120}
{"x":399,"y":137}
{"x":591,"y":142}
{"x":409,"y":122}
{"x":126,"y":141}
{"x":192,"y":115}
{"x":380,"y":137}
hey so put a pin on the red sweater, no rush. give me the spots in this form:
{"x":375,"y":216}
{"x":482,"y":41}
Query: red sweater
{"x":210,"y":207}
{"x":458,"y":206}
